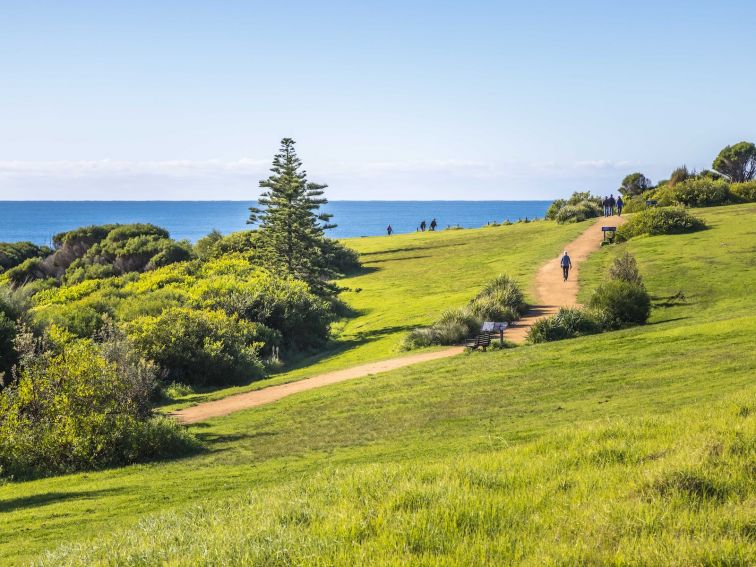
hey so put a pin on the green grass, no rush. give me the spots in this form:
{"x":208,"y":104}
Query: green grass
{"x":633,"y":447}
{"x":407,"y":281}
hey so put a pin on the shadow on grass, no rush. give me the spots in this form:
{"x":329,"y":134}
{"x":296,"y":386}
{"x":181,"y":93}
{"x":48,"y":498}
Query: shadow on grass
{"x":430,"y":246}
{"x":47,"y":498}
{"x":673,"y":319}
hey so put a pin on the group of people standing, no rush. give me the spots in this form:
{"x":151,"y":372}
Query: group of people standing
{"x":421,"y":228}
{"x":610,"y":202}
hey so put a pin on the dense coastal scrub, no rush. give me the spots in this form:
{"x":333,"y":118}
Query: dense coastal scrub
{"x":217,"y":313}
{"x":77,"y":404}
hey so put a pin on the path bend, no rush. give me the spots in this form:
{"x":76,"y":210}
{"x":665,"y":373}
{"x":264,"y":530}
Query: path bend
{"x":551,"y":293}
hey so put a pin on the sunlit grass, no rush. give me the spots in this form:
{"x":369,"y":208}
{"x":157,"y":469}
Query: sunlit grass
{"x":631,"y":447}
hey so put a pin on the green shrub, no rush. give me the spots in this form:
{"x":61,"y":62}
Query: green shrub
{"x":82,"y":406}
{"x":554,"y":208}
{"x":744,"y":192}
{"x":13,"y":253}
{"x":7,"y":351}
{"x":501,"y":295}
{"x":198,"y":347}
{"x":625,"y":268}
{"x":568,"y":322}
{"x":659,"y":220}
{"x":499,"y":300}
{"x":701,"y":192}
{"x":205,"y":247}
{"x":635,"y":204}
{"x":621,"y":303}
{"x":579,"y":212}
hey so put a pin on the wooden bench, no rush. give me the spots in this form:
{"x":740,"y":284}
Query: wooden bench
{"x":483,"y":341}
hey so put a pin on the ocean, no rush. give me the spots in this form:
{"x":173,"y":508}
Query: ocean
{"x":38,"y":221}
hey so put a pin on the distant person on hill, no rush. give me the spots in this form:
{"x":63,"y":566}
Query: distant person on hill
{"x":605,"y":204}
{"x":433,"y":224}
{"x":620,"y":204}
{"x":389,"y":230}
{"x":566,"y":265}
{"x":422,"y":226}
{"x":612,"y":202}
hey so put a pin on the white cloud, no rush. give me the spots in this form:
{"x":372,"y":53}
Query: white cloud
{"x":237,"y":179}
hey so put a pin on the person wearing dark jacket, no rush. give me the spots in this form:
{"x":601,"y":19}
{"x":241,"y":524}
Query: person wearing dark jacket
{"x":620,"y":204}
{"x":389,"y":230}
{"x":605,"y":204}
{"x":566,"y":264}
{"x":433,"y":224}
{"x":612,"y":202}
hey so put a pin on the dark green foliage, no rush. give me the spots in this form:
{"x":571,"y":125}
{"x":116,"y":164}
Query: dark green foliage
{"x":80,"y":406}
{"x":661,"y":220}
{"x":342,"y":259}
{"x":554,"y":208}
{"x":701,"y":192}
{"x":206,"y":348}
{"x":634,"y":184}
{"x":679,"y":175}
{"x":27,"y":271}
{"x":291,"y":228}
{"x":568,"y":323}
{"x":245,"y":242}
{"x":7,"y":351}
{"x":14,"y":253}
{"x":621,"y":303}
{"x":738,"y":162}
{"x":625,"y":268}
{"x":205,"y":247}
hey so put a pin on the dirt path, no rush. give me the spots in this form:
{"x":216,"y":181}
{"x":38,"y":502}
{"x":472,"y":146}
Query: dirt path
{"x":255,"y":398}
{"x":551,"y":292}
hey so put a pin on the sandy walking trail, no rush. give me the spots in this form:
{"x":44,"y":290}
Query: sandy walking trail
{"x":551,"y":293}
{"x":550,"y":289}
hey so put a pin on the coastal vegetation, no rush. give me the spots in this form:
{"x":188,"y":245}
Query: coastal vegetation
{"x":222,"y":312}
{"x":534,"y":454}
{"x":579,"y":207}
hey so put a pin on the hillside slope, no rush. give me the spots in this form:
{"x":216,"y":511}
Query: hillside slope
{"x":629,"y":447}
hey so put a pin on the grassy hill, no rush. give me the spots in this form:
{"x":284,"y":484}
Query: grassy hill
{"x":632,"y":447}
{"x":407,"y":280}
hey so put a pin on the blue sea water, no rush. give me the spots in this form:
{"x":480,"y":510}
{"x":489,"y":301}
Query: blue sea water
{"x":38,"y":221}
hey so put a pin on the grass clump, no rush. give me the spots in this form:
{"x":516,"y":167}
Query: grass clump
{"x":569,"y":322}
{"x":500,"y":300}
{"x":656,"y":221}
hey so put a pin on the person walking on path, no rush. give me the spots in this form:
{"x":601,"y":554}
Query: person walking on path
{"x":566,"y":265}
{"x":422,"y":226}
{"x":620,"y":204}
{"x":605,"y":203}
{"x":389,"y":230}
{"x":433,"y":224}
{"x":612,"y":202}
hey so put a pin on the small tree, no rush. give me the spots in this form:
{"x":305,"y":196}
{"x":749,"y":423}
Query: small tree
{"x":291,"y":228}
{"x":737,"y":162}
{"x":634,"y":184}
{"x":679,"y":175}
{"x":625,"y":268}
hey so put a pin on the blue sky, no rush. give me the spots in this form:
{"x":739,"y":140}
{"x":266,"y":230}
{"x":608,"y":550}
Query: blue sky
{"x":387,"y":100}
